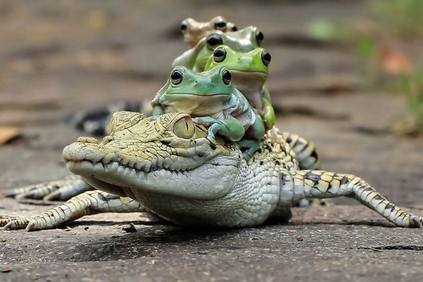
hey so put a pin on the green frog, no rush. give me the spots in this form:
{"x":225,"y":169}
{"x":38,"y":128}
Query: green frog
{"x":244,"y":40}
{"x":194,"y":31}
{"x":249,"y":73}
{"x":212,"y":100}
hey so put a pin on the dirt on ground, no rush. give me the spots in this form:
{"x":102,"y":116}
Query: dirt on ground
{"x":59,"y":58}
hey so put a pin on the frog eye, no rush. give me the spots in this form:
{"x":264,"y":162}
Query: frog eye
{"x":265,"y":58}
{"x":219,"y":54}
{"x":259,"y":37}
{"x":176,"y":77}
{"x":213,"y":40}
{"x":226,"y":77}
{"x":183,"y":26}
{"x":184,"y":128}
{"x":234,"y":28}
{"x":220,"y":25}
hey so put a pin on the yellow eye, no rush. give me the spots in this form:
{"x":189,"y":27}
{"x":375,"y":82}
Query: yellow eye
{"x":184,"y":128}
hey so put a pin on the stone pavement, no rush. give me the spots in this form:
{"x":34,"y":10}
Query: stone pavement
{"x":57,"y":58}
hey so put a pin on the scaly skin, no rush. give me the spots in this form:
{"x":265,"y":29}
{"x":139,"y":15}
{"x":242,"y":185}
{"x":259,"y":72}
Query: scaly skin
{"x":165,"y":165}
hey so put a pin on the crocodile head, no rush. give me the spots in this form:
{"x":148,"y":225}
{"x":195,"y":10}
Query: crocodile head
{"x":166,"y":155}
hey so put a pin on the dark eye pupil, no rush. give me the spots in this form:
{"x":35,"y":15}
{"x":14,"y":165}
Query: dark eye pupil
{"x":220,"y":24}
{"x":183,"y":26}
{"x":260,"y":36}
{"x":176,"y":75}
{"x":267,"y":57}
{"x":219,"y":53}
{"x":234,"y":28}
{"x":227,"y":77}
{"x":214,"y":40}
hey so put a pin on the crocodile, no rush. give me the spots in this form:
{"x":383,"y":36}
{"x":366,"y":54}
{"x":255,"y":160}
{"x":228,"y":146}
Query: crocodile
{"x":165,"y":165}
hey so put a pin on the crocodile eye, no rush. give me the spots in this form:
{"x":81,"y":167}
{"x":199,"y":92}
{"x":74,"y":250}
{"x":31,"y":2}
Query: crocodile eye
{"x":184,"y":128}
{"x":176,"y":77}
{"x":219,"y":55}
{"x":265,"y":58}
{"x":226,"y":77}
{"x":220,"y":25}
{"x":259,"y":37}
{"x":213,"y":40}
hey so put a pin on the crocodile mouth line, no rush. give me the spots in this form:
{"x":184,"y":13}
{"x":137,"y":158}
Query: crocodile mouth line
{"x":123,"y":180}
{"x":116,"y":166}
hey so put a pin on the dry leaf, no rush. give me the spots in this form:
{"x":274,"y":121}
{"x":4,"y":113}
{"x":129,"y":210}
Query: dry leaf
{"x":394,"y":61}
{"x":7,"y":133}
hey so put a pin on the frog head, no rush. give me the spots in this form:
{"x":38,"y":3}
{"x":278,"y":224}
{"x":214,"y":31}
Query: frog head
{"x":243,"y":40}
{"x":253,"y":64}
{"x":194,"y":31}
{"x":196,"y":93}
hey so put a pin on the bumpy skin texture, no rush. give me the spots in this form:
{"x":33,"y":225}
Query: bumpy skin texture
{"x":194,"y":31}
{"x":211,"y":98}
{"x":249,"y":73}
{"x":243,"y":40}
{"x":165,"y":165}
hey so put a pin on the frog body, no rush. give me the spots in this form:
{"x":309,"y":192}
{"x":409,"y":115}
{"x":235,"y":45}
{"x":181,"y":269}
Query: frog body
{"x":193,"y":31}
{"x":211,"y":98}
{"x":249,"y":73}
{"x":244,"y":40}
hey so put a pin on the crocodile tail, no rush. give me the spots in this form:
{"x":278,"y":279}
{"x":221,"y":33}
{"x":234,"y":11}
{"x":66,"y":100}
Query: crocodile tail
{"x":324,"y":184}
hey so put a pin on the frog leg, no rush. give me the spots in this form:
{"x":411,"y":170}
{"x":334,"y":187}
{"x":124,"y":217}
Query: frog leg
{"x":157,"y":110}
{"x":251,"y":145}
{"x":230,"y":128}
{"x":269,"y":116}
{"x":253,"y":136}
{"x":62,"y":189}
{"x":324,"y":184}
{"x":90,"y":202}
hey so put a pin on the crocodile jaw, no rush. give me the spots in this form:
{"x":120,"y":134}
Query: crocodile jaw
{"x":209,"y":180}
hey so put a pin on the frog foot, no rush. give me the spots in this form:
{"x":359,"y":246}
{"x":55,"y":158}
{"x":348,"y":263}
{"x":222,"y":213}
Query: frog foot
{"x":251,"y":145}
{"x":212,"y":138}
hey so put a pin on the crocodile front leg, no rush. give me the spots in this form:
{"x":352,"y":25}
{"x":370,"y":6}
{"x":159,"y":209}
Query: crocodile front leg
{"x":62,"y":189}
{"x":323,"y":184}
{"x":90,"y":202}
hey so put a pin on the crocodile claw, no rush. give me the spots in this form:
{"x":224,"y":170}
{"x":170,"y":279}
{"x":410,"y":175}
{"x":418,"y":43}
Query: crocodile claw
{"x":416,"y":221}
{"x":13,"y":222}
